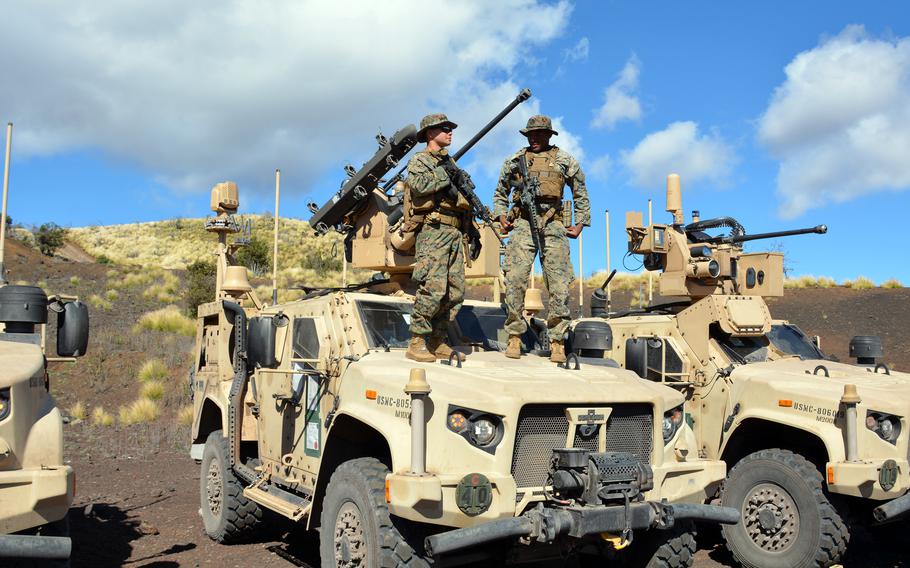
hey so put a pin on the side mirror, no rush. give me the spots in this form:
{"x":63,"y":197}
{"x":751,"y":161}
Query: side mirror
{"x":261,"y":341}
{"x":72,"y":330}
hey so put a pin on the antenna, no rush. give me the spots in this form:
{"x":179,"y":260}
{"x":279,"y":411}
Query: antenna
{"x":609,"y":298}
{"x":275,"y":249}
{"x":650,"y":275}
{"x":9,"y":143}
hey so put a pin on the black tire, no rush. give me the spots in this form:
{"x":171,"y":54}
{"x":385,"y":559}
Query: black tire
{"x":227,"y":515}
{"x":354,"y":508}
{"x":671,"y":548}
{"x":785,"y":510}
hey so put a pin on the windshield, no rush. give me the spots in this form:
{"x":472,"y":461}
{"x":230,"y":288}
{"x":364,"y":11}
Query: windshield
{"x":741,"y":349}
{"x":485,"y":326}
{"x":792,"y":341}
{"x":386,"y":323}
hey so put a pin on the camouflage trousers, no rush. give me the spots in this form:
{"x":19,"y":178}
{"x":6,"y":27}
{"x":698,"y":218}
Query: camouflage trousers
{"x":557,"y":272}
{"x":439,"y":272}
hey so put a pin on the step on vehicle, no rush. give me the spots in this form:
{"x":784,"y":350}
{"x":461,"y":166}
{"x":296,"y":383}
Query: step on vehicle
{"x":36,"y":487}
{"x":309,"y":409}
{"x":812,"y":445}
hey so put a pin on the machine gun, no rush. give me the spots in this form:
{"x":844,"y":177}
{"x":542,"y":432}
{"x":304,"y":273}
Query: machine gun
{"x":528,"y":192}
{"x":370,"y":215}
{"x":695,"y":264}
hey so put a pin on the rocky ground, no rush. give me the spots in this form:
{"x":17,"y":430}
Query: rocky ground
{"x":137,"y":493}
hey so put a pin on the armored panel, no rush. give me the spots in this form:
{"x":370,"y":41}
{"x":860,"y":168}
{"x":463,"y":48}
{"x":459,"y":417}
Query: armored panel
{"x":543,"y":427}
{"x":761,"y":274}
{"x":261,"y":342}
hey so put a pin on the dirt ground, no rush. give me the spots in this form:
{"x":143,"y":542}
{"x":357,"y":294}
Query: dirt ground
{"x":137,"y":491}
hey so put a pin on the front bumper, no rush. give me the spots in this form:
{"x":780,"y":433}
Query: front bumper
{"x":34,"y":497}
{"x":545,"y":525}
{"x":862,"y":479}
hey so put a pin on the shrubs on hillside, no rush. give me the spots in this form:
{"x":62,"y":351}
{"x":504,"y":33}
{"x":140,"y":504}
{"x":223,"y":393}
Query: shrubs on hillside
{"x":169,"y":320}
{"x":49,"y":237}
{"x":256,"y":256}
{"x":200,"y":285}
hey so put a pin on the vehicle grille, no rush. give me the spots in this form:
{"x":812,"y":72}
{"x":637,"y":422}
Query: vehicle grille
{"x":543,"y":428}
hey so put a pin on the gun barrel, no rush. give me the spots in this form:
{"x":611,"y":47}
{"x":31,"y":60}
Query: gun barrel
{"x":819,"y":230}
{"x":524,"y":95}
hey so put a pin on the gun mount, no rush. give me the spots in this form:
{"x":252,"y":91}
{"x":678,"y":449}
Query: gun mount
{"x":696,"y":264}
{"x":370,"y":210}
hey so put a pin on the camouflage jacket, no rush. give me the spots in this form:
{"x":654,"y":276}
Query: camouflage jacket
{"x":570,"y":169}
{"x":425,"y":175}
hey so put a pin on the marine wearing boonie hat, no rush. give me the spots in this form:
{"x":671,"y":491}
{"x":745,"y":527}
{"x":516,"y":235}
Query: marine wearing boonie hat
{"x":538,"y":122}
{"x":433,"y":121}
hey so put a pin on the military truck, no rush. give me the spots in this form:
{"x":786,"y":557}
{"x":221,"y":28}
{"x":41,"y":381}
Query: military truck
{"x":309,"y":409}
{"x":36,"y":487}
{"x":812,"y":445}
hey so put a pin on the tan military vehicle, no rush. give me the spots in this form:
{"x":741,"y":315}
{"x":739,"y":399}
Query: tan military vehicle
{"x":36,"y":487}
{"x":309,"y":409}
{"x":810,"y":443}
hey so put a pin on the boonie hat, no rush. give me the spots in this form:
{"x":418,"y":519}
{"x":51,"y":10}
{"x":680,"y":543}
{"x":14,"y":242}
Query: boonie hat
{"x":538,"y":122}
{"x":431,"y":121}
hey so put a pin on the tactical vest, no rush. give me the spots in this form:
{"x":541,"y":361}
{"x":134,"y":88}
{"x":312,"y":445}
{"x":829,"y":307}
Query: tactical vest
{"x":439,"y":201}
{"x":543,"y":165}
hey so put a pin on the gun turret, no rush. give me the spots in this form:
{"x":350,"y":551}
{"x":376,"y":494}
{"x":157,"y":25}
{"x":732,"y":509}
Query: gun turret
{"x":369,"y":209}
{"x":696,"y":264}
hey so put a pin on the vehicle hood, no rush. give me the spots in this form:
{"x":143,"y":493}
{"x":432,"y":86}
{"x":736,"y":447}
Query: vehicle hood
{"x":488,"y":377}
{"x":19,"y":362}
{"x":800,"y":378}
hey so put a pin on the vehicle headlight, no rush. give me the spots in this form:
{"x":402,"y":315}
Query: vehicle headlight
{"x":482,"y":429}
{"x":887,"y":426}
{"x":4,"y":403}
{"x":673,"y":419}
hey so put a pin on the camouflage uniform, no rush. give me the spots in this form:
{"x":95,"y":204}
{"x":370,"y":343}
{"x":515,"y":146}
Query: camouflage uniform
{"x":520,"y":252}
{"x":439,"y":261}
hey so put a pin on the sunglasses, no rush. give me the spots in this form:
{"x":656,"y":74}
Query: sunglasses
{"x":445,"y":129}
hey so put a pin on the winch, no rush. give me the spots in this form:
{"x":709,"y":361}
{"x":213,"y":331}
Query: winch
{"x":592,"y":478}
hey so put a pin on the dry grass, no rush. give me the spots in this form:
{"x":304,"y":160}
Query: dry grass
{"x":112,"y":295}
{"x":113,"y":273}
{"x":75,"y":280}
{"x":78,"y":411}
{"x":892,"y":283}
{"x":169,"y":320}
{"x":97,"y":301}
{"x":175,"y":244}
{"x":622,"y":280}
{"x":101,"y":417}
{"x":861,"y":283}
{"x":185,"y":415}
{"x":825,"y":282}
{"x":153,"y":370}
{"x":152,"y":390}
{"x":140,"y":411}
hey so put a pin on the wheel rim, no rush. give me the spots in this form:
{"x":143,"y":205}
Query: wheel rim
{"x":770,"y":517}
{"x":214,"y":488}
{"x":350,"y":538}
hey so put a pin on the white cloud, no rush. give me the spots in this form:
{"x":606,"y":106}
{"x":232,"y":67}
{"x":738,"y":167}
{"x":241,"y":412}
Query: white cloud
{"x":579,"y":51}
{"x":620,"y":99}
{"x":840,"y":122}
{"x":679,"y":149}
{"x":600,"y":168}
{"x":204,"y":91}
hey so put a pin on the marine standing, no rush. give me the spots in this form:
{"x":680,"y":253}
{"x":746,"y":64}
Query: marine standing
{"x":554,"y":168}
{"x":441,"y":212}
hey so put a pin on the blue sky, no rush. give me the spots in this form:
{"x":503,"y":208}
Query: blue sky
{"x":781,"y":114}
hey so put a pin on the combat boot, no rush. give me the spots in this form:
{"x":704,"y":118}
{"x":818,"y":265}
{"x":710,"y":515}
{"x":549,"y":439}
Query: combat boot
{"x":513,"y":351}
{"x":441,"y":349}
{"x":417,"y":350}
{"x":557,"y":352}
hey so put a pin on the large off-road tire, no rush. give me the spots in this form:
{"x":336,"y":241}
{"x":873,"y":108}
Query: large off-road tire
{"x":671,"y":548}
{"x":356,"y":526}
{"x":787,"y":520}
{"x":228,"y":516}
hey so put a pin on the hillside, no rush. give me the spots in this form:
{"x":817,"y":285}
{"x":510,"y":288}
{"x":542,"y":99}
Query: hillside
{"x":177,"y":243}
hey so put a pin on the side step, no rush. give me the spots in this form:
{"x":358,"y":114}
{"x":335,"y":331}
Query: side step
{"x":291,"y":505}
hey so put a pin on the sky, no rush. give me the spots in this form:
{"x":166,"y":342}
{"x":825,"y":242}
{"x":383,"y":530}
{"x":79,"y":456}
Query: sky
{"x":780,"y":114}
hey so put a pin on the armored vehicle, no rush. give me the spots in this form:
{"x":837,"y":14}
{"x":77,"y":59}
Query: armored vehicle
{"x":811,"y":444}
{"x":36,"y":487}
{"x":309,"y":409}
